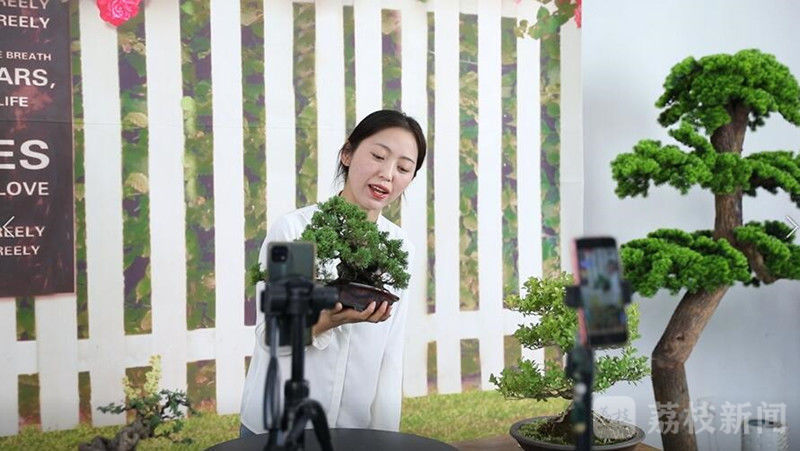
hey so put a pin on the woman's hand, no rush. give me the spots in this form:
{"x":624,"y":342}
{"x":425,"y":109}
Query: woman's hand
{"x":330,"y":318}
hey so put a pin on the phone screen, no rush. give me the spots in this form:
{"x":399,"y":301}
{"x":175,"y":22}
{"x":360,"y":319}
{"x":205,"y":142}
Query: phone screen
{"x":599,"y":275}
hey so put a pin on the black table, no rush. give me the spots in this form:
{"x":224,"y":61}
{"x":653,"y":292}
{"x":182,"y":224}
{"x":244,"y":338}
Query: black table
{"x":347,"y":440}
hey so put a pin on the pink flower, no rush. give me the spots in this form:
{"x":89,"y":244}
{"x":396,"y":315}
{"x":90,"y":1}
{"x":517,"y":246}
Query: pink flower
{"x":578,"y":14}
{"x":117,"y":12}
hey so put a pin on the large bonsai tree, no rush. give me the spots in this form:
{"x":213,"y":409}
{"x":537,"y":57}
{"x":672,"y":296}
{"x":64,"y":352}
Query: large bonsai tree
{"x":556,"y":325}
{"x":713,"y":100}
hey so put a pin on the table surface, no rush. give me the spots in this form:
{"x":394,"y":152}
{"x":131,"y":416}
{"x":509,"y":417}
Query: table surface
{"x":507,"y":443}
{"x":348,"y":439}
{"x":365,"y":439}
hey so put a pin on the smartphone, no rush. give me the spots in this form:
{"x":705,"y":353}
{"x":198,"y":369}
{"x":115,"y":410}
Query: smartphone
{"x":290,"y":259}
{"x":599,"y":275}
{"x":286,"y":261}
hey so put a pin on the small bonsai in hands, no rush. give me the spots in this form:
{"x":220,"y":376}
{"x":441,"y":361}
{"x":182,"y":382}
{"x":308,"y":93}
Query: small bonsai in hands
{"x":366,"y":255}
{"x":158,"y":413}
{"x":556,"y":326}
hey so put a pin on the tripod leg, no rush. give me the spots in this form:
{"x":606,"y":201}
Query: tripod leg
{"x":309,"y":409}
{"x":320,"y":423}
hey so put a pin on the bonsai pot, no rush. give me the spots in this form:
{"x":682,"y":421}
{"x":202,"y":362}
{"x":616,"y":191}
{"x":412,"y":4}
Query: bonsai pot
{"x":359,"y":295}
{"x":530,"y":444}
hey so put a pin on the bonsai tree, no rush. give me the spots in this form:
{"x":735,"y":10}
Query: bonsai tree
{"x":713,"y":101}
{"x":157,"y":413}
{"x":366,"y":255}
{"x":556,"y":326}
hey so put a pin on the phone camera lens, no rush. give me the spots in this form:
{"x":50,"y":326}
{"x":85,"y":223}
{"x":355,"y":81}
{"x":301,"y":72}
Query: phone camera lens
{"x":280,"y":253}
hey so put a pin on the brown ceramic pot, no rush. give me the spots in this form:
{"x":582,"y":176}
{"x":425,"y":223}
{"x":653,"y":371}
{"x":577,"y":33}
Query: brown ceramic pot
{"x":359,"y":295}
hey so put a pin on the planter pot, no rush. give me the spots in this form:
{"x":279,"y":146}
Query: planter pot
{"x":529,"y":444}
{"x":359,"y":295}
{"x":764,"y":434}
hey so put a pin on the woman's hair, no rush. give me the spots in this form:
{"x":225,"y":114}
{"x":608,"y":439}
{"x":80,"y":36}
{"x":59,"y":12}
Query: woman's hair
{"x":375,"y":122}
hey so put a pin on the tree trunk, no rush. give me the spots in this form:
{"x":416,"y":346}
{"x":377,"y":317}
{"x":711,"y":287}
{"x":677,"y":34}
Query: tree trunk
{"x":126,"y":439}
{"x":669,"y":378}
{"x":673,"y":403}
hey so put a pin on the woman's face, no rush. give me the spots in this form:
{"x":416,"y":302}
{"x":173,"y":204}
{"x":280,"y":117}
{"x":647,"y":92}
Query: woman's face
{"x":380,"y":169}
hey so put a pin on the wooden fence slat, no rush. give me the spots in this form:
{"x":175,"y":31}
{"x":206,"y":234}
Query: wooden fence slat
{"x":446,"y":200}
{"x":329,"y":60}
{"x":571,"y":166}
{"x":226,"y":73}
{"x":57,"y":354}
{"x":167,"y":205}
{"x":9,"y":370}
{"x":369,"y":92}
{"x":529,"y":219}
{"x":414,"y":210}
{"x":279,"y":101}
{"x":104,"y":255}
{"x":490,"y":226}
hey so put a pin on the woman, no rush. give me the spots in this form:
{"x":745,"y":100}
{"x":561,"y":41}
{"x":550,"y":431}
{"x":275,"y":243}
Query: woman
{"x":354,"y":364}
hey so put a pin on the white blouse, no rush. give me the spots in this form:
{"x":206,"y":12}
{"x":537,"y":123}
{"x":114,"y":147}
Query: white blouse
{"x":355,"y":371}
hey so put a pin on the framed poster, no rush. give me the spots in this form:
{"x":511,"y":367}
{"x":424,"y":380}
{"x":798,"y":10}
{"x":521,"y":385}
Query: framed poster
{"x":36,"y":153}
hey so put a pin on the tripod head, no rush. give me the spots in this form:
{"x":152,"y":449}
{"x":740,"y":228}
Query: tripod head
{"x":309,"y":300}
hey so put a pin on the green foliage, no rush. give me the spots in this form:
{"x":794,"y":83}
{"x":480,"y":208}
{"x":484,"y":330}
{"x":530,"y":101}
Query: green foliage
{"x":556,"y":326}
{"x":26,"y":318}
{"x":508,"y":195}
{"x":703,"y":91}
{"x":550,"y":132}
{"x":469,"y":284}
{"x":253,"y":137}
{"x":305,"y":103}
{"x":160,"y":411}
{"x":548,"y":23}
{"x":449,"y":418}
{"x":773,"y":170}
{"x":82,"y":303}
{"x":661,"y":164}
{"x":701,"y":94}
{"x":131,"y":50}
{"x":469,"y":415}
{"x":391,"y":67}
{"x":722,"y":173}
{"x":255,"y":274}
{"x":198,"y":162}
{"x":781,"y":257}
{"x":674,"y":259}
{"x":366,"y":255}
{"x":349,"y":33}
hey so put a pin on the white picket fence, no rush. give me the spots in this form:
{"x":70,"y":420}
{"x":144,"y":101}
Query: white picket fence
{"x":58,"y":356}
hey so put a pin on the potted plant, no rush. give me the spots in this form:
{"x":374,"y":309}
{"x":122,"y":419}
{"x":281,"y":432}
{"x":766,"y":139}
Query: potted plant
{"x":353,"y":255}
{"x":711,"y":102}
{"x":556,"y":326}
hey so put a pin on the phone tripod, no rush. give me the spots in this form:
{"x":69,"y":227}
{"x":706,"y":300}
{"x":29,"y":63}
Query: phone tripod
{"x":580,"y":367}
{"x":291,"y":305}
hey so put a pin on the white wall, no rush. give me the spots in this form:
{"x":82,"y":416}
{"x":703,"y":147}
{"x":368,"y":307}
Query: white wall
{"x":749,"y":352}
